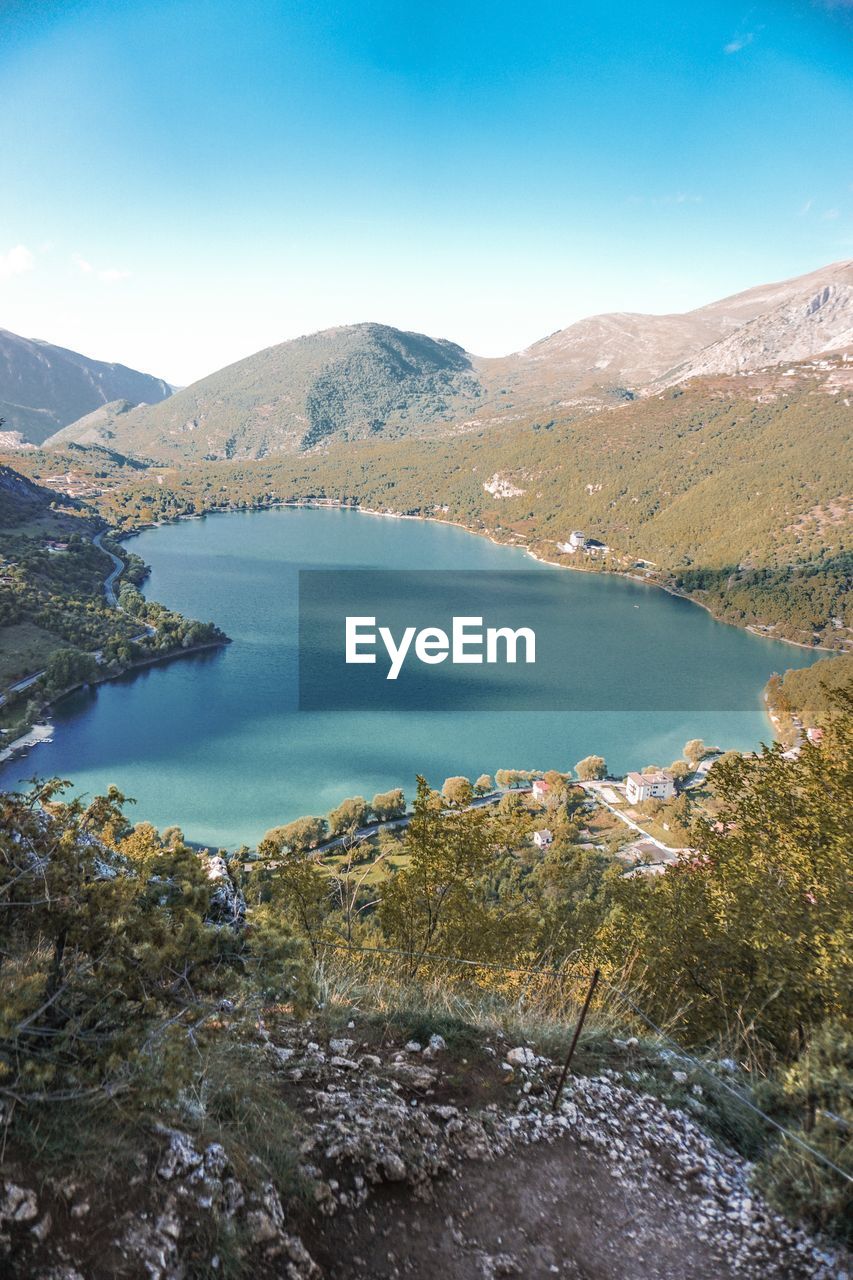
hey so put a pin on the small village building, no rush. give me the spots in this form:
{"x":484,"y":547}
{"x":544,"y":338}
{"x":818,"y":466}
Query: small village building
{"x":576,"y":542}
{"x":640,"y":787}
{"x":542,"y":839}
{"x":814,"y":735}
{"x":540,"y":789}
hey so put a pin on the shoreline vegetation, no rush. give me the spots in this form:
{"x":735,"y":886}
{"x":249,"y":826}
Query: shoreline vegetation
{"x":339,"y":504}
{"x":21,"y":745}
{"x":71,"y":667}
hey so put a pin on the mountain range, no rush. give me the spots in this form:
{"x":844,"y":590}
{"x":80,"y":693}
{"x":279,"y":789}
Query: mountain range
{"x":369,"y":381}
{"x":43,"y":387}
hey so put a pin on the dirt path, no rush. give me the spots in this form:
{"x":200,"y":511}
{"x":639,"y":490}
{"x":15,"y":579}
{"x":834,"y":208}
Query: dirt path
{"x":549,"y":1210}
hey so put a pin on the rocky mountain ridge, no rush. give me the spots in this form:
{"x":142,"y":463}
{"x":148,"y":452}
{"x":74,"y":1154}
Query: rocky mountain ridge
{"x":371,"y":381}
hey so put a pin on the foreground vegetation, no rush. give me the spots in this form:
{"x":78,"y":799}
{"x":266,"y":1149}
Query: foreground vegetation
{"x":121,"y":947}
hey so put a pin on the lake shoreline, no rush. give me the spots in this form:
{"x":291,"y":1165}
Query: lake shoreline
{"x":334,"y":504}
{"x":250,"y":764}
{"x":22,"y":745}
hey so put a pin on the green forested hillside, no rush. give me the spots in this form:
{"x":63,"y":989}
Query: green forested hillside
{"x":806,"y":697}
{"x":739,"y":497}
{"x":344,"y":384}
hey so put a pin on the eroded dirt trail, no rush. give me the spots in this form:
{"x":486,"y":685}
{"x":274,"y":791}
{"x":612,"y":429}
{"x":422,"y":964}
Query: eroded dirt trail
{"x":548,"y":1210}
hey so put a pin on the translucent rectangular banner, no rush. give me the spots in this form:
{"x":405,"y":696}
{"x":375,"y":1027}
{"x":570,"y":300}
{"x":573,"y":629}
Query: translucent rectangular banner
{"x":501,"y":641}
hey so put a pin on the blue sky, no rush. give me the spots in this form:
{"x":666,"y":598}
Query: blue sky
{"x":184,"y":183}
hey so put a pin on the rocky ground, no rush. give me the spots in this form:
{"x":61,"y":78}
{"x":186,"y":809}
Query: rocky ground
{"x":414,"y":1161}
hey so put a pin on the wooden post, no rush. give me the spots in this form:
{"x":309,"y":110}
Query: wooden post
{"x":593,"y":984}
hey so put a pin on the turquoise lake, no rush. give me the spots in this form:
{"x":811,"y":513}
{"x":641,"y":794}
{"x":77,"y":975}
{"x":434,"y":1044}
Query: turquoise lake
{"x":215,"y":743}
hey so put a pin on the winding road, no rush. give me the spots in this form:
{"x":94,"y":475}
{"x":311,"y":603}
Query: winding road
{"x":111,"y":599}
{"x":112,"y":576}
{"x":594,"y":789}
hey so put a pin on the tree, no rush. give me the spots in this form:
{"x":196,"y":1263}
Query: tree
{"x":457,"y":792}
{"x":304,"y":833}
{"x":694,"y":751}
{"x":680,"y":770}
{"x":751,"y":932}
{"x":591,"y":767}
{"x":439,"y":902}
{"x":556,"y":781}
{"x":287,"y":879}
{"x":118,"y":961}
{"x":573,"y":892}
{"x":388,"y":805}
{"x":727,"y":758}
{"x":349,"y":815}
{"x":484,"y":785}
{"x":509,"y":777}
{"x":816,"y":1089}
{"x":67,"y":667}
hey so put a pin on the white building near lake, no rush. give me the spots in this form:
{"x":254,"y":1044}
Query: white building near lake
{"x":659,"y":785}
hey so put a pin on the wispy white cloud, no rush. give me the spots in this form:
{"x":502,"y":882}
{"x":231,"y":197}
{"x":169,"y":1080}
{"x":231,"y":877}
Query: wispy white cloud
{"x":107,"y":275}
{"x":112,"y":275}
{"x":830,"y":215}
{"x":805,"y":208}
{"x":739,"y":42}
{"x":16,"y":261}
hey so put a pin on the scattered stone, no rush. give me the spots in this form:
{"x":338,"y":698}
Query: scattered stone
{"x":393,"y":1167}
{"x":17,"y":1204}
{"x":41,"y":1230}
{"x":180,"y":1156}
{"x":437,"y":1044}
{"x":521,"y":1057}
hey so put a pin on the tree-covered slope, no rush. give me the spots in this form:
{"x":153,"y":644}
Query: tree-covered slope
{"x":736,"y":490}
{"x":342,"y":384}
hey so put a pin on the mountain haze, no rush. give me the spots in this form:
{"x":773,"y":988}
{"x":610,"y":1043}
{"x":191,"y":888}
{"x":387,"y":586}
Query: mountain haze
{"x":373,"y":381}
{"x":43,"y":387}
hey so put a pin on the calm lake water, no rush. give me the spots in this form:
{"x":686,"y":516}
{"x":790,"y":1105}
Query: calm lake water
{"x":216,"y":744}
